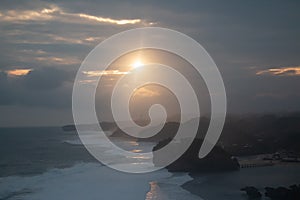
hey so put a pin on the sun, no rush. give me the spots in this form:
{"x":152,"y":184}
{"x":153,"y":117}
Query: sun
{"x":137,"y":64}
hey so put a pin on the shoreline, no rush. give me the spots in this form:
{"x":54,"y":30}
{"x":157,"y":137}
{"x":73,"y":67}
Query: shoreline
{"x":85,"y":180}
{"x":227,"y":185}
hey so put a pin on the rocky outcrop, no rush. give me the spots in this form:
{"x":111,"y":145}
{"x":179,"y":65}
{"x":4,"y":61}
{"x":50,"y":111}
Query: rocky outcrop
{"x":279,"y":193}
{"x":252,"y":192}
{"x":291,"y":193}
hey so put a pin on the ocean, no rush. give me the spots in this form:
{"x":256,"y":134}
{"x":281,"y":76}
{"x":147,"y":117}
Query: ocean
{"x":48,"y":163}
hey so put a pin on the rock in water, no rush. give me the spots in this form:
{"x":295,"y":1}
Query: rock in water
{"x":283,"y":193}
{"x":252,"y":192}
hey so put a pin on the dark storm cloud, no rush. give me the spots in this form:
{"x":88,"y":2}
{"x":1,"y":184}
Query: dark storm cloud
{"x":249,"y":93}
{"x":45,"y":79}
{"x":48,"y":87}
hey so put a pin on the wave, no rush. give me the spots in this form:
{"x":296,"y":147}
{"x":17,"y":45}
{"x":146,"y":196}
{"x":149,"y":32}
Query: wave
{"x":94,"y":181}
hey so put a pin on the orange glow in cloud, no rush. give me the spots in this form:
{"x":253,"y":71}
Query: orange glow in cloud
{"x":284,"y":71}
{"x":18,"y":72}
{"x":146,"y":92}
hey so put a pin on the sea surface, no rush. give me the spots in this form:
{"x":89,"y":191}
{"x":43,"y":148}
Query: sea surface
{"x":48,"y":163}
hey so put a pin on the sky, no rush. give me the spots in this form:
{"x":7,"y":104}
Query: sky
{"x":255,"y":44}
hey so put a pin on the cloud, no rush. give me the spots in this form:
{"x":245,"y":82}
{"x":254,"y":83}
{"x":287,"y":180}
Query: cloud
{"x":109,"y":20}
{"x":88,"y":81}
{"x":53,"y":60}
{"x":54,"y":33}
{"x":30,"y":51}
{"x":55,"y":13}
{"x":18,"y":72}
{"x":104,"y":73}
{"x":29,"y":15}
{"x":45,"y":79}
{"x":146,"y":92}
{"x":109,"y":74}
{"x":45,"y":87}
{"x":45,"y":58}
{"x":283,"y":71}
{"x":17,"y":36}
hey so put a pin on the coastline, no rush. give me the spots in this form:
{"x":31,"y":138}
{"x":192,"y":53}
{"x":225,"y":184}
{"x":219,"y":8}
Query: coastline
{"x":227,"y":185}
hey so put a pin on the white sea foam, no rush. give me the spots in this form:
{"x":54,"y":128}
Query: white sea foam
{"x":83,"y":181}
{"x":92,"y":181}
{"x":95,"y":181}
{"x":111,"y":155}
